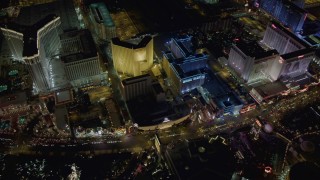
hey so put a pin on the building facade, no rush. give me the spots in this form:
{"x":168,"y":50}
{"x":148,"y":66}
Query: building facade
{"x":286,"y":12}
{"x":36,"y":46}
{"x":240,"y":62}
{"x":13,"y":40}
{"x":183,"y":81}
{"x":80,"y":58}
{"x":37,"y":54}
{"x":78,"y":68}
{"x":131,"y":88}
{"x":183,"y":66}
{"x":297,"y":63}
{"x":254,"y":65}
{"x":102,"y":23}
{"x":284,"y":41}
{"x":295,"y":53}
{"x":133,"y":57}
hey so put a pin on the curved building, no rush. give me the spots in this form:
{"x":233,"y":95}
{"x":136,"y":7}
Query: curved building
{"x":41,"y":44}
{"x":14,"y":41}
{"x":36,"y":45}
{"x":133,"y":57}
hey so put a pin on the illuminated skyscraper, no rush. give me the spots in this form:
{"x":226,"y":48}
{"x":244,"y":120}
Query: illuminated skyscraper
{"x":292,"y":16}
{"x":65,"y":9}
{"x":296,"y":63}
{"x":35,"y":45}
{"x":33,"y":38}
{"x":252,"y":63}
{"x":41,"y":45}
{"x":183,"y":66}
{"x":133,"y":57}
{"x":284,"y":41}
{"x":13,"y":40}
{"x":80,"y":57}
{"x":293,"y":50}
{"x":286,"y":12}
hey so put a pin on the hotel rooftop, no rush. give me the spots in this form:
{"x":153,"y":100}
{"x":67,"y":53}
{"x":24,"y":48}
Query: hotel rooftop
{"x":30,"y":33}
{"x":253,"y":49}
{"x":101,"y":14}
{"x":135,"y":43}
{"x":87,"y":48}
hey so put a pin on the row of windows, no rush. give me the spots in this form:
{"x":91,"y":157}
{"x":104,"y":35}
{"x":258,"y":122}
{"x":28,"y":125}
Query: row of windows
{"x":136,"y":89}
{"x":82,"y":70}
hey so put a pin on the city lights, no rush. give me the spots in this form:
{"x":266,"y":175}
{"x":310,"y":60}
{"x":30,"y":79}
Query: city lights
{"x":168,"y":89}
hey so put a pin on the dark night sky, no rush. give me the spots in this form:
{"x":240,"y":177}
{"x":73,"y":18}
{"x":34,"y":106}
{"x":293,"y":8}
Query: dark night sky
{"x":4,"y":3}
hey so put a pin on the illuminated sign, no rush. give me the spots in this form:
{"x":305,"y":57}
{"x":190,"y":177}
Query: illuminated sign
{"x":194,"y":78}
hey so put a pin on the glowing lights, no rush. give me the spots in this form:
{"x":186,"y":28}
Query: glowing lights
{"x":268,"y":169}
{"x":258,"y":123}
{"x":166,"y":120}
{"x":223,"y":141}
{"x":281,"y":61}
{"x":273,"y":26}
{"x":133,"y":61}
{"x":301,"y":56}
{"x":140,"y":54}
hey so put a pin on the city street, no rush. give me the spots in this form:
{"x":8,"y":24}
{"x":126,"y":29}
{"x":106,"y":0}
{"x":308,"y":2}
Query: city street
{"x":141,"y":140}
{"x":201,"y":125}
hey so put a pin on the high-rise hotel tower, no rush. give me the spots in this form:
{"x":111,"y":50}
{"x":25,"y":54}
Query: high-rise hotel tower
{"x":35,"y":45}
